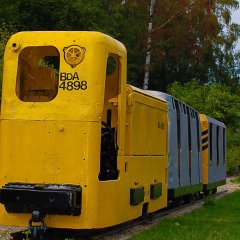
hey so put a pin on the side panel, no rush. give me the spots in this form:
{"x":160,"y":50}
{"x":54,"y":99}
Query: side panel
{"x":222,"y":149}
{"x":184,"y":163}
{"x":217,"y":169}
{"x":222,"y":173}
{"x":173,"y":177}
{"x":44,"y":152}
{"x":146,"y":132}
{"x":194,"y":153}
{"x":111,"y":200}
{"x":214,"y":165}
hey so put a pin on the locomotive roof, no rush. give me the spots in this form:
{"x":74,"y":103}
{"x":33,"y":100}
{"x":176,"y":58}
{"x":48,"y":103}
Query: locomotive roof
{"x":216,"y":122}
{"x":60,"y":37}
{"x":167,"y":97}
{"x":147,"y":93}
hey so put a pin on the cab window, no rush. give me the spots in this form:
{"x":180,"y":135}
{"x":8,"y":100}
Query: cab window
{"x":37,"y":77}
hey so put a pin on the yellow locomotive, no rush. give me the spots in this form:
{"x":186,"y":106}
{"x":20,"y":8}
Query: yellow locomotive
{"x":75,"y":145}
{"x":79,"y":148}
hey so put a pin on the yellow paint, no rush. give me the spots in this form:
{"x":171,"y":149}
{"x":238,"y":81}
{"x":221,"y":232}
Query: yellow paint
{"x":204,"y":127}
{"x":146,"y":125}
{"x":58,"y":141}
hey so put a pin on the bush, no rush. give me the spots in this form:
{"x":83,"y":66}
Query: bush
{"x":233,"y":159}
{"x":233,"y":151}
{"x":236,"y":180}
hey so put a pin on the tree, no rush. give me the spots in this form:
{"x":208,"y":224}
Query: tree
{"x":189,"y":39}
{"x":194,"y":40}
{"x":5,"y":32}
{"x":124,"y":20}
{"x":149,"y":43}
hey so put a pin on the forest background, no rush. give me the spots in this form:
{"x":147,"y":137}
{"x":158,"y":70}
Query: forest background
{"x":193,"y":47}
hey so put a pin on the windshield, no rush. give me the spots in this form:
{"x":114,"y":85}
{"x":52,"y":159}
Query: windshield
{"x":38,"y":70}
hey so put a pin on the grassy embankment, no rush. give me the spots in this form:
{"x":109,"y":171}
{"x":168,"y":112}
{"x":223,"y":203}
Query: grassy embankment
{"x":236,"y":180}
{"x":217,"y":220}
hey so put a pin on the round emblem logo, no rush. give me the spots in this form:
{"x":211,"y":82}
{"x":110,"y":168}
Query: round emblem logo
{"x":74,"y":55}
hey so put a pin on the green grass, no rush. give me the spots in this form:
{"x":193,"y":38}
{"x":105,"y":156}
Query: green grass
{"x":236,"y":180}
{"x":219,"y":221}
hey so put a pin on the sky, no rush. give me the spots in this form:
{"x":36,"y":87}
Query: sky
{"x":236,"y":18}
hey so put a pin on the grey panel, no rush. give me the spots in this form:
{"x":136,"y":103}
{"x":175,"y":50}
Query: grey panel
{"x":224,"y":157}
{"x":217,"y":170}
{"x":173,"y":178}
{"x":184,"y":161}
{"x":221,"y":168}
{"x":214,"y":147}
{"x":194,"y":153}
{"x":220,"y":142}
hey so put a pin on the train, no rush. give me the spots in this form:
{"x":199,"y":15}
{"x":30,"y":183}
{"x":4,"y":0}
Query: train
{"x":81,"y":149}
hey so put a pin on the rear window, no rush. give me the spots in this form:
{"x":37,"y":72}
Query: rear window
{"x":37,"y":77}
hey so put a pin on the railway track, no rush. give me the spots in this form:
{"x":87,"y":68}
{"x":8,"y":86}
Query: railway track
{"x":122,"y":231}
